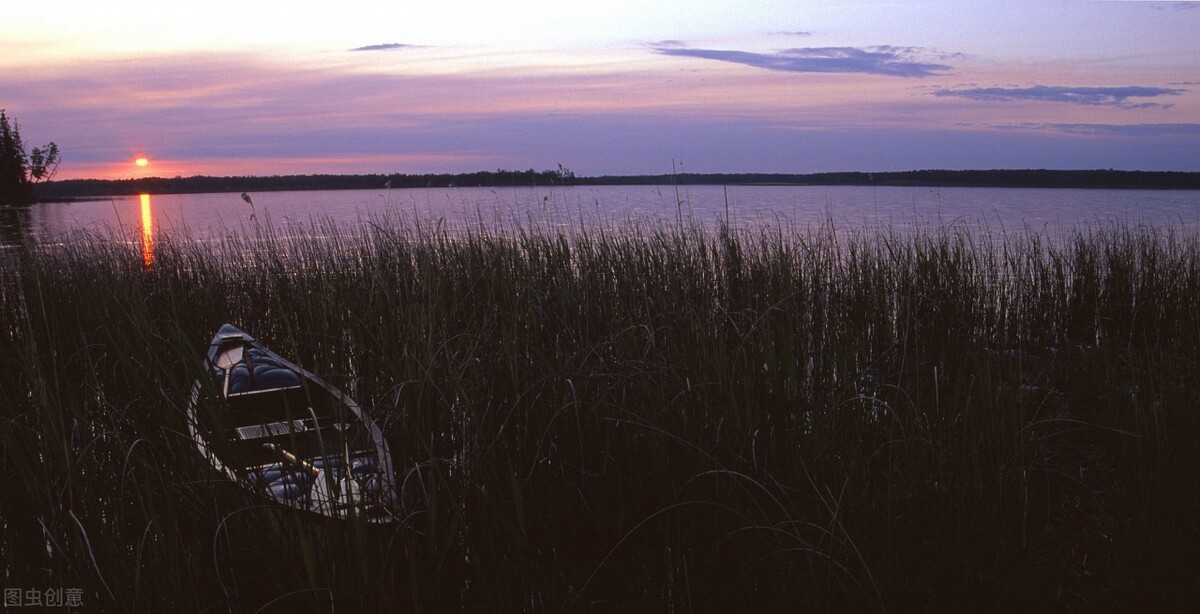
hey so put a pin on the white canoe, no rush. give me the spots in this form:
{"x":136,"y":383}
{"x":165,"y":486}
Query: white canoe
{"x":287,"y":435}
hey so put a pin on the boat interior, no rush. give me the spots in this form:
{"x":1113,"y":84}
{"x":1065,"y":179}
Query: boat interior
{"x":286,"y":433}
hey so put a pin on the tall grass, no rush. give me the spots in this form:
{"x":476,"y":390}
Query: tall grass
{"x":638,"y":417}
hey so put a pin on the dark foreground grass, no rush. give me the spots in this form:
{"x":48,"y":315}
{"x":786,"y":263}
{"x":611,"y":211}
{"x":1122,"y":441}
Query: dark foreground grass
{"x":638,"y":418}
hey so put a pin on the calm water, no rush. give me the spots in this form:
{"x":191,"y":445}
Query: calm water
{"x":212,"y":215}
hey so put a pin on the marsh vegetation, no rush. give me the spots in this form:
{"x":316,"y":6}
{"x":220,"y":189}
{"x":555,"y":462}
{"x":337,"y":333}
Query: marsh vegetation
{"x":627,"y":418}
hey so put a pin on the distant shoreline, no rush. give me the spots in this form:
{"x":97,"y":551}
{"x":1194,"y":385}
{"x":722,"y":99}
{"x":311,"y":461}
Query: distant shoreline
{"x":83,"y":189}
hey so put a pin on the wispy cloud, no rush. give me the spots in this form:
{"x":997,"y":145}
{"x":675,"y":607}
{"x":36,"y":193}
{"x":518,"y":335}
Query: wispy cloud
{"x":1090,"y":96}
{"x":1125,"y":130}
{"x":879,"y":60}
{"x":383,"y":47}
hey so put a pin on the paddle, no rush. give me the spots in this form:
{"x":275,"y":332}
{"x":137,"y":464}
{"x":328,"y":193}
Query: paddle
{"x":293,"y":459}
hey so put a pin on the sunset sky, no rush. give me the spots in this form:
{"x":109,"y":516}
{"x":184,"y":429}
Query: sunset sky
{"x":603,"y":87}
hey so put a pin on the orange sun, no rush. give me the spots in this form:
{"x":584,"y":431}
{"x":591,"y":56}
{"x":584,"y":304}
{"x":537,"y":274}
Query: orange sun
{"x":141,"y":161}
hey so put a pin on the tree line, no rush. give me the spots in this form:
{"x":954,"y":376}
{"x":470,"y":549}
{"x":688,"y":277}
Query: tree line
{"x":1039,"y":178}
{"x":1000,"y":178}
{"x":91,"y":188}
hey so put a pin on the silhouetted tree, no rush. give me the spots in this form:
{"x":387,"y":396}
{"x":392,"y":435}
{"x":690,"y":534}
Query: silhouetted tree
{"x":20,"y":171}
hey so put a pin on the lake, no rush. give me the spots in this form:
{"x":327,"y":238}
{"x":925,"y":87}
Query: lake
{"x":203,"y":216}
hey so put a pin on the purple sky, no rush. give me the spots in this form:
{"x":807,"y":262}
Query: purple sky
{"x":612,"y":88}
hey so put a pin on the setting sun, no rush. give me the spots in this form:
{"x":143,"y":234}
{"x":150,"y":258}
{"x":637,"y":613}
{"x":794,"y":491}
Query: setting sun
{"x":141,"y":161}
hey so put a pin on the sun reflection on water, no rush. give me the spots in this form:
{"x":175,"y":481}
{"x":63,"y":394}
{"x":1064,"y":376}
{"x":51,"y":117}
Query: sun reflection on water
{"x":147,"y":232}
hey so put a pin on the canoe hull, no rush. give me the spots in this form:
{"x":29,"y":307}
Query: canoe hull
{"x":287,"y":435}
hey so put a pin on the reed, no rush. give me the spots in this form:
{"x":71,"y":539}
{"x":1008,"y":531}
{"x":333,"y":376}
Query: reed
{"x":629,"y":417}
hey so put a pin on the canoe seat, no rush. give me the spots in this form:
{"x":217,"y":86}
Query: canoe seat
{"x":271,"y":429}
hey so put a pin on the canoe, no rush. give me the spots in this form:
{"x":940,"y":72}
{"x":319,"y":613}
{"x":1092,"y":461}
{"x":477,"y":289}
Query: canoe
{"x":287,"y":435}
